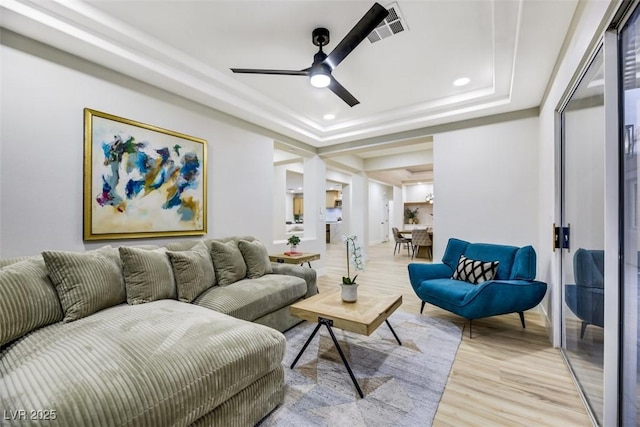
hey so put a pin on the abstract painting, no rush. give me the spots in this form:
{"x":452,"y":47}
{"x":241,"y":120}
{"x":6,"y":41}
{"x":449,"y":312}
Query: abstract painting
{"x":141,"y":181}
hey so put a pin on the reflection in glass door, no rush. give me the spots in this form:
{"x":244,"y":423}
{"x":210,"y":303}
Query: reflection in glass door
{"x":583,"y":142}
{"x":630,"y":67}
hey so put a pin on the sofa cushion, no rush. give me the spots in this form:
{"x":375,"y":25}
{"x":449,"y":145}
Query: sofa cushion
{"x":492,"y":252}
{"x":455,"y":248}
{"x":86,"y":282}
{"x":524,"y":264}
{"x":228,"y":262}
{"x":473,"y":271}
{"x":450,"y":291}
{"x":193,"y":271}
{"x":147,"y":274}
{"x":588,"y":268}
{"x":28,"y":299}
{"x":165,"y":363}
{"x":184,"y":245}
{"x":250,"y":299}
{"x":256,"y":258}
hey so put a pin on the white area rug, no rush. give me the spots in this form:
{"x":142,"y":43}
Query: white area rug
{"x":402,"y":385}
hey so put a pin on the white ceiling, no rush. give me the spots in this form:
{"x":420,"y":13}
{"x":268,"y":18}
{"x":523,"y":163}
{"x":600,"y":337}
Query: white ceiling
{"x":508,"y":48}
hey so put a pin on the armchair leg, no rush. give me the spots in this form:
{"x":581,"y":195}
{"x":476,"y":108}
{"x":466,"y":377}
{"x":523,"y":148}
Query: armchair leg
{"x":470,"y":326}
{"x":522,"y":319}
{"x":583,"y":329}
{"x":422,"y":307}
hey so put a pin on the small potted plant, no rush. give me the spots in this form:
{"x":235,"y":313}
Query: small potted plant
{"x":355,"y":256}
{"x":411,"y":215}
{"x":293,"y":242}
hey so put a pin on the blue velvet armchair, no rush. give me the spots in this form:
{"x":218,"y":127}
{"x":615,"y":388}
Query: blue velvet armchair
{"x":512,"y":290}
{"x":585,"y":298}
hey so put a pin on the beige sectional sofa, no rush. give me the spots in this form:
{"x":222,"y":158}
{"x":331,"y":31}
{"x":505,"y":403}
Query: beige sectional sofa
{"x":187,"y":334}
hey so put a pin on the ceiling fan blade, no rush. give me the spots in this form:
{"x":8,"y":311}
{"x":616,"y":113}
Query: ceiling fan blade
{"x":276,"y":72}
{"x":344,"y":94}
{"x":359,"y":32}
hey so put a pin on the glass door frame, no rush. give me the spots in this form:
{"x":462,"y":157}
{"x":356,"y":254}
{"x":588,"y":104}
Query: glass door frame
{"x":612,"y":218}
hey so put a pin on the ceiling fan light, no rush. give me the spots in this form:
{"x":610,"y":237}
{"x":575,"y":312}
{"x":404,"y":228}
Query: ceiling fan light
{"x":320,"y":78}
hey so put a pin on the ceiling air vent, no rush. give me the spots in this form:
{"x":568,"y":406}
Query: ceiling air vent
{"x":394,"y":23}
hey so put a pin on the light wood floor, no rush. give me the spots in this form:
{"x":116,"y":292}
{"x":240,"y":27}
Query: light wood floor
{"x":504,"y":376}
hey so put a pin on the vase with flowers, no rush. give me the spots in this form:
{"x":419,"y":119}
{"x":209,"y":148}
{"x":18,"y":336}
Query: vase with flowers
{"x":355,"y":256}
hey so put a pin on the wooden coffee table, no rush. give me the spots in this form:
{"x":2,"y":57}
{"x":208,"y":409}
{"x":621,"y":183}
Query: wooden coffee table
{"x":362,"y":317}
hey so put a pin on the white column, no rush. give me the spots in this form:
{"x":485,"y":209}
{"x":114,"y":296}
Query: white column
{"x":359,"y":212}
{"x":279,"y":202}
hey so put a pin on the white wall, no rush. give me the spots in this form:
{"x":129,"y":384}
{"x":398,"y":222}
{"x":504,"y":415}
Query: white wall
{"x":487,"y":180}
{"x":379,"y":195}
{"x":44,"y":92}
{"x":282,"y":202}
{"x":355,"y":208}
{"x":397,"y":214}
{"x":417,"y":193}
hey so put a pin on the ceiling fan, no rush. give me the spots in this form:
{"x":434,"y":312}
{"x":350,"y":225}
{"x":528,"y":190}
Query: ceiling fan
{"x":320,"y":71}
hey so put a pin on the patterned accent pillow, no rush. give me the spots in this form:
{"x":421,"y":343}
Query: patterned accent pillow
{"x":147,"y":274}
{"x":475,"y":272}
{"x":256,"y":258}
{"x":86,"y":282}
{"x":228,"y":262}
{"x":193,"y":271}
{"x":28,"y":299}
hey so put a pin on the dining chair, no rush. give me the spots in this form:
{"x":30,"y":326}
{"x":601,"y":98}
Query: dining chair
{"x":400,"y":240}
{"x":421,"y":238}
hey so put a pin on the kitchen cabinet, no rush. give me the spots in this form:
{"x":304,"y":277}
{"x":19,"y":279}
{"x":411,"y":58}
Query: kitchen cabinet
{"x":298,"y":205}
{"x":333,"y":199}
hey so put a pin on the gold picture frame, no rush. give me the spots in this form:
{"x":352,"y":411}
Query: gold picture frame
{"x":141,"y":181}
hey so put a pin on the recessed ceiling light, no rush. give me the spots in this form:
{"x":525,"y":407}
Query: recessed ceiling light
{"x":329,"y":116}
{"x":461,"y":81}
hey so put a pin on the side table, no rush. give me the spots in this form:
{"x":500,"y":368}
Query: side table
{"x":295,"y":259}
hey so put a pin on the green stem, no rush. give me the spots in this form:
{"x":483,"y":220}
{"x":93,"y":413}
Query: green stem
{"x":348,"y":273}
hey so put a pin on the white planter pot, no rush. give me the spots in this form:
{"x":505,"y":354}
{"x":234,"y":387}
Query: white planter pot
{"x":349,"y":293}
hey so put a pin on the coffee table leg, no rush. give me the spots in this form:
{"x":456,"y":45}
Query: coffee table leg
{"x":315,"y":331}
{"x":393,"y":332}
{"x":328,"y":324}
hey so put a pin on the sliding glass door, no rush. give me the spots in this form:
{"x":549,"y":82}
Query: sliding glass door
{"x":630,"y":81}
{"x":583,"y":209}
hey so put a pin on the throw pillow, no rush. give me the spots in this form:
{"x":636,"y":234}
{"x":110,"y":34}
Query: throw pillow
{"x":28,"y":299}
{"x":86,"y":282}
{"x":148,"y":275}
{"x":473,"y":271}
{"x":256,"y":258}
{"x":193,"y":271}
{"x":228,"y":262}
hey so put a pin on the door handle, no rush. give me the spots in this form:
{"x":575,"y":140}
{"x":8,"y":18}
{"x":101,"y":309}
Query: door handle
{"x":562,"y":237}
